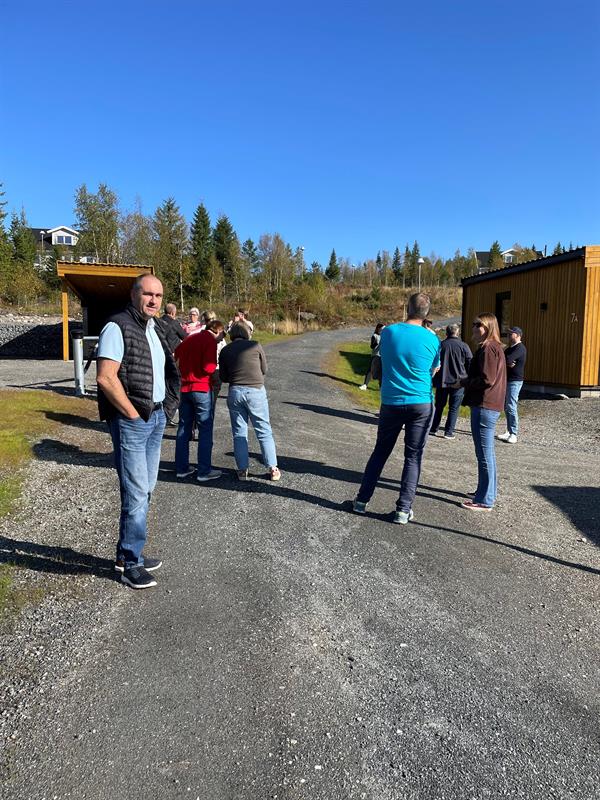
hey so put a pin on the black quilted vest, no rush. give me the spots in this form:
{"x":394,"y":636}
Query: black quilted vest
{"x":135,"y":372}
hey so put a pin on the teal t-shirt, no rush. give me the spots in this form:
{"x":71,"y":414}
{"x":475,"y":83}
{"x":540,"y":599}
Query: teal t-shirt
{"x":409,"y":355}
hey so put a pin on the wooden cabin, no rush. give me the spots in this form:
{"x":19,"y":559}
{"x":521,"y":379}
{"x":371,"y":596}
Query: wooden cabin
{"x":103,"y":290}
{"x":556,"y":301}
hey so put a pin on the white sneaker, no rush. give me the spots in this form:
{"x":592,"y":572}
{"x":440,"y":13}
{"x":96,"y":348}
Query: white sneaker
{"x":363,"y":387}
{"x":512,"y":439}
{"x":504,"y":437}
{"x":210,"y":476}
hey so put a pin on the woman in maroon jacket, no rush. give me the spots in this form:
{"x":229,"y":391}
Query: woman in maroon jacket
{"x":485,"y":389}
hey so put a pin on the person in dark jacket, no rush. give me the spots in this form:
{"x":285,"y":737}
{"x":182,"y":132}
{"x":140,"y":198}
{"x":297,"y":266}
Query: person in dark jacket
{"x":173,"y":329}
{"x":516,"y":356}
{"x":485,"y":387}
{"x":374,"y":370}
{"x":138,"y":385}
{"x":455,"y":357}
{"x":243,"y":365}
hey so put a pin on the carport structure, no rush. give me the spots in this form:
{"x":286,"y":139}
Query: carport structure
{"x":103,"y":289}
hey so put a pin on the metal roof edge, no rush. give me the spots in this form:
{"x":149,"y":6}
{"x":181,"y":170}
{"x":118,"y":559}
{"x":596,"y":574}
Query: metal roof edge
{"x":536,"y":263}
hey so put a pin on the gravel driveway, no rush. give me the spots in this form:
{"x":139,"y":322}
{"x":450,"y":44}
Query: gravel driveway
{"x":295,"y":650}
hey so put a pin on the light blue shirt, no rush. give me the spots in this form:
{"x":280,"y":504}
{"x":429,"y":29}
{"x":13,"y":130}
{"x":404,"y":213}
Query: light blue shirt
{"x":112,"y":346}
{"x":409,"y":355}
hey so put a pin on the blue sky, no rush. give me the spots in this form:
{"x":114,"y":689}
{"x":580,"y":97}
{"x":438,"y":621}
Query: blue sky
{"x":354,"y":125}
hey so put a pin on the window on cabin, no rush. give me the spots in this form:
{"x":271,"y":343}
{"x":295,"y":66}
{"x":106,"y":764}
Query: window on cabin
{"x":504,"y":311}
{"x":60,"y":240}
{"x":68,"y":239}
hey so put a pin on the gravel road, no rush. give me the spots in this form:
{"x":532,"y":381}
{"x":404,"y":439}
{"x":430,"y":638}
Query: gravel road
{"x":295,"y":650}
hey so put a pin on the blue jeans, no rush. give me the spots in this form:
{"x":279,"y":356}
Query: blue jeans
{"x":415,"y":419}
{"x":513,"y":390}
{"x":137,"y":455}
{"x":483,"y":428}
{"x":195,"y":406}
{"x":247,"y":402}
{"x":442,"y":396}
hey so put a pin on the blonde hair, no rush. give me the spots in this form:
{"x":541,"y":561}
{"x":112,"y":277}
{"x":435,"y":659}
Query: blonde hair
{"x":492,"y":331}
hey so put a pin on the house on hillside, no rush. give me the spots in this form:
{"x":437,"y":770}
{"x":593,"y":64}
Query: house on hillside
{"x":556,"y":301}
{"x":46,"y":239}
{"x":509,"y":257}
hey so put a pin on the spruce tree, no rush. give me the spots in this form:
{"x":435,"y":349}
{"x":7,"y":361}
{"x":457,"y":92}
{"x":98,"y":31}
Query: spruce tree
{"x":23,"y":241}
{"x":495,"y":260}
{"x":332,"y":273}
{"x":170,"y":237}
{"x":225,"y":242}
{"x":201,"y":247}
{"x":407,"y":268}
{"x":558,"y":249}
{"x":397,"y":266}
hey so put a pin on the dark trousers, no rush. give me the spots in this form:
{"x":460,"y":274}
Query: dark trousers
{"x":454,"y":398}
{"x":415,"y":420}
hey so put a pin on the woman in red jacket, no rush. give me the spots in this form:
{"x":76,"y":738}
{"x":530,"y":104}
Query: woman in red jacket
{"x":485,"y":389}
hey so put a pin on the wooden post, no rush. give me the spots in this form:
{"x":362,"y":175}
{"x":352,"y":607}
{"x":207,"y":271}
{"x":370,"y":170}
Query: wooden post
{"x":65,"y":318}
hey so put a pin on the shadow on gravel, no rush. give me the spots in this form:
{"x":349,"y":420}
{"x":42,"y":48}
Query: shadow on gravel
{"x":76,"y":421}
{"x":61,"y":453}
{"x":334,"y":412}
{"x":61,"y":560}
{"x":333,"y":377}
{"x":525,"y":550}
{"x":580,"y":503}
{"x":58,"y":387}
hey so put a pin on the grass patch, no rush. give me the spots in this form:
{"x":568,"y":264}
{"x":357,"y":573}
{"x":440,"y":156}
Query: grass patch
{"x":266,"y":337}
{"x":26,"y":416}
{"x":348,"y":364}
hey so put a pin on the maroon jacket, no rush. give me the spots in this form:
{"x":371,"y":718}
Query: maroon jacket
{"x":485,"y":385}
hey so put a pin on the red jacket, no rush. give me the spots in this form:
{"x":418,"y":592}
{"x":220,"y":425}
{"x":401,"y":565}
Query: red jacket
{"x":197,"y":359}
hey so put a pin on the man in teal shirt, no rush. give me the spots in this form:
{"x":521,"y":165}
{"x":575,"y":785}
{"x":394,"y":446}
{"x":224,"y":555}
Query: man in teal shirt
{"x":409,"y":357}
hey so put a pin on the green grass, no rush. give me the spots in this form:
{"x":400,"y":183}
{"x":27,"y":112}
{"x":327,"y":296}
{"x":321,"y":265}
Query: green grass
{"x":349,"y":364}
{"x":266,"y":337}
{"x":26,"y":417}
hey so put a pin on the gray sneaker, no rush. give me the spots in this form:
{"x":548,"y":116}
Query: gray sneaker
{"x":210,"y":476}
{"x":402,"y":517}
{"x":358,"y":507}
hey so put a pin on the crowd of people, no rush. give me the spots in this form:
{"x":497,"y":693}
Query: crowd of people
{"x":150,"y":367}
{"x":412,"y":364}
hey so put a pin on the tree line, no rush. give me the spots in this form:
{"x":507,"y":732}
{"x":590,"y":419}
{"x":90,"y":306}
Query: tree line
{"x":205,"y":261}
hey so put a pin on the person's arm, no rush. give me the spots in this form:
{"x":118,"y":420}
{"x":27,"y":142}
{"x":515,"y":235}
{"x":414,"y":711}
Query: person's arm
{"x":109,"y":382}
{"x":224,"y":365}
{"x":209,"y":354}
{"x":263,"y":360}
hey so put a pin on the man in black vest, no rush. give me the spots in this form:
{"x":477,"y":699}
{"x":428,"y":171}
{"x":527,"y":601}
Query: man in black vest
{"x":455,"y":357}
{"x":138,"y":385}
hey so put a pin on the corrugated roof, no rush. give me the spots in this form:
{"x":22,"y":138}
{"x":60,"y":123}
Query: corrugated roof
{"x":536,"y":263}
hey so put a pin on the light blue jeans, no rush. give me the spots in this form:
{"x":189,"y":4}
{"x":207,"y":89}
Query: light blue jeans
{"x":195,"y":406}
{"x":247,"y":402}
{"x":483,"y":428}
{"x":513,"y":390}
{"x":137,"y":456}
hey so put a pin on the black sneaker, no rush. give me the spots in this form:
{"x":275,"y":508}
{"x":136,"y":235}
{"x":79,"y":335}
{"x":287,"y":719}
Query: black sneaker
{"x":138,"y":578}
{"x":150,"y":564}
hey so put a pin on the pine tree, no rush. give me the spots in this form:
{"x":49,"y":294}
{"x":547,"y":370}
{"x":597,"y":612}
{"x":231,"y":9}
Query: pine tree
{"x":23,"y":241}
{"x":332,"y":273}
{"x":226,"y":249}
{"x":495,"y":260}
{"x":407,"y":268}
{"x":250,"y":253}
{"x":170,"y":239}
{"x":201,"y":248}
{"x":558,"y":249}
{"x":397,"y":266}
